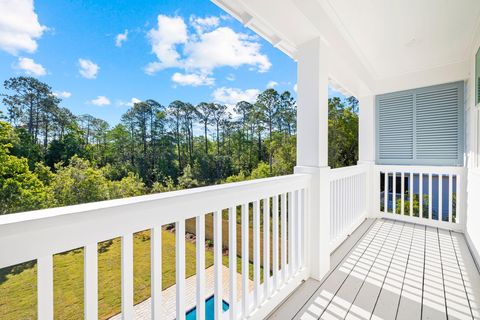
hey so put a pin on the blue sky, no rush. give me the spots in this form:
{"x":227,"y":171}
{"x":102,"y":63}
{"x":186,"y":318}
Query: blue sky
{"x":101,"y":55}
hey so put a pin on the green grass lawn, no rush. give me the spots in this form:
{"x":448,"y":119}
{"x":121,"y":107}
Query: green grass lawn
{"x":18,"y":285}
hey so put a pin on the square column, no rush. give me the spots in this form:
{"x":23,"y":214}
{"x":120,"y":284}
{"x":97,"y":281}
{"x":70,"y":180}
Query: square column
{"x":312,"y":151}
{"x":367,"y":134}
{"x":367,"y":151}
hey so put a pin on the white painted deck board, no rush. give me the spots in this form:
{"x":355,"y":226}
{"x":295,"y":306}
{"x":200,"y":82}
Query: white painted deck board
{"x":393,"y":270}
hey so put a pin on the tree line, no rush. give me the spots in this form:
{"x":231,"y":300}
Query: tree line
{"x":67,"y":159}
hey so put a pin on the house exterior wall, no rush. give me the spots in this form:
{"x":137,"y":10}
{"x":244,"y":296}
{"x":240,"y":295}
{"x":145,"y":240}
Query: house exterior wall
{"x":472,"y":157}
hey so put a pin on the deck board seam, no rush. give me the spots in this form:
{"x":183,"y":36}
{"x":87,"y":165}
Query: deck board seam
{"x":415,"y":225}
{"x":443,"y":275}
{"x":405,"y":271}
{"x":388,"y":269}
{"x":423,"y":276}
{"x":349,"y":273}
{"x":347,"y":254}
{"x":461,"y":274}
{"x":371,"y":267}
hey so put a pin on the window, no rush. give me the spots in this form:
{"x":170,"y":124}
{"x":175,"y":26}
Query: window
{"x":421,"y":126}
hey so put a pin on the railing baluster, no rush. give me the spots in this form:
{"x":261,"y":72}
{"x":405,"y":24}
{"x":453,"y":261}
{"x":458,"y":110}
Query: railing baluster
{"x":217,"y":257}
{"x":266,"y":247}
{"x":290,"y":235}
{"x":450,"y":197}
{"x":180,"y":268}
{"x":458,"y":200}
{"x":394,"y":192}
{"x":200,"y":260}
{"x":411,"y":194}
{"x":90,"y":267}
{"x":304,"y":211}
{"x":245,"y":264}
{"x":45,"y":287}
{"x":156,"y":272}
{"x":440,"y":197}
{"x":332,"y":210}
{"x":385,"y":192}
{"x":275,"y":242}
{"x":232,"y":260}
{"x":294,"y":232}
{"x":420,"y":195}
{"x":127,"y":276}
{"x":402,"y":194}
{"x":256,"y":253}
{"x":283,"y":225}
{"x":430,"y":196}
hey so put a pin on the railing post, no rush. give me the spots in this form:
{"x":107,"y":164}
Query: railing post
{"x":312,"y":151}
{"x":317,"y":221}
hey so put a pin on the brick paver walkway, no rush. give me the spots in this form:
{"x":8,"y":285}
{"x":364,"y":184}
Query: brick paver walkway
{"x":143,"y":309}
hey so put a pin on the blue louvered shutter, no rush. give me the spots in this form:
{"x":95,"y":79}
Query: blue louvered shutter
{"x":421,"y":126}
{"x":395,"y":127}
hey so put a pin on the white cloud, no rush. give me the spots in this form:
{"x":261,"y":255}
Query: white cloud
{"x":88,"y":69}
{"x":231,"y":96}
{"x":19,"y":26}
{"x":121,"y":38}
{"x":192,"y":79}
{"x":224,"y":47}
{"x":272,"y":84}
{"x":202,"y":24}
{"x":295,"y":87}
{"x":31,"y":67}
{"x":129,"y":103}
{"x":170,"y":32}
{"x":100,"y":101}
{"x":210,"y":47}
{"x":62,"y":94}
{"x":231,"y":77}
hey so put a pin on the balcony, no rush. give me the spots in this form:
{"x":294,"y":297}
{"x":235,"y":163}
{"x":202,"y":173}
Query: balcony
{"x":394,"y":237}
{"x":386,"y":264}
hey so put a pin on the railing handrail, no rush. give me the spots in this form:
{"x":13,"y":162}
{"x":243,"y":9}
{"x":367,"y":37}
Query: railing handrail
{"x":423,"y":169}
{"x":340,"y":173}
{"x":25,"y":236}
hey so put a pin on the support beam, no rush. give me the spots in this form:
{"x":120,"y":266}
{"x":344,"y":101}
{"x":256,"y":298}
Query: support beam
{"x":312,"y":151}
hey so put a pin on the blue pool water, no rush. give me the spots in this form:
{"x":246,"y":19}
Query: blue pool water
{"x":209,"y":310}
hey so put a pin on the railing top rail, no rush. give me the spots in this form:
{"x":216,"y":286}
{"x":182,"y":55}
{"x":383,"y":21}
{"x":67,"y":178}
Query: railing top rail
{"x":340,"y":173}
{"x":281,"y":181}
{"x":422,"y":169}
{"x":25,"y":236}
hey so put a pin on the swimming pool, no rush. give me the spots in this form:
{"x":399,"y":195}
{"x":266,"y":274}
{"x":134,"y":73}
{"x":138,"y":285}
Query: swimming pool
{"x":209,"y":310}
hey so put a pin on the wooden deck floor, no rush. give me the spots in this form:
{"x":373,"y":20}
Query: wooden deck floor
{"x":392,"y":270}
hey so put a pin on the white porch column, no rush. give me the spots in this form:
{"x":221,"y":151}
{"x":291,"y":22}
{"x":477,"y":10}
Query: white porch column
{"x":312,"y":150}
{"x":367,"y":149}
{"x":366,"y":132}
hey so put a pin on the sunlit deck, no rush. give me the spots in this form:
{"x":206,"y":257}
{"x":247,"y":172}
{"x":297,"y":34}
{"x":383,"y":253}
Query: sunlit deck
{"x":392,"y":270}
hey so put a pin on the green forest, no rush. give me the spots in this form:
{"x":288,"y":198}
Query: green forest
{"x":51,"y":157}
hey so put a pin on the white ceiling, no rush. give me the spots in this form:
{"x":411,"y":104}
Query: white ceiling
{"x":378,"y":46}
{"x":397,"y":37}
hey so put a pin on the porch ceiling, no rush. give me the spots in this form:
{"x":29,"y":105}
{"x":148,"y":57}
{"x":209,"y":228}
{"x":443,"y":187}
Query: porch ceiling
{"x":379,"y":46}
{"x":404,"y":36}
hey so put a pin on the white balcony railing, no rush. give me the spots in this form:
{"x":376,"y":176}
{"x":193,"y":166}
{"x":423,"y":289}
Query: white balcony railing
{"x":278,"y":237}
{"x":348,"y":201}
{"x":430,"y":195}
{"x":38,"y":235}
